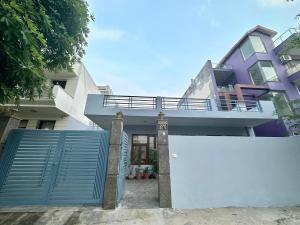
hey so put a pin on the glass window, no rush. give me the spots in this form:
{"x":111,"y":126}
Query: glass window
{"x":280,"y":102}
{"x":262,"y":71}
{"x":61,"y":83}
{"x":251,"y":45}
{"x":140,"y":139}
{"x":46,"y":124}
{"x":257,"y":44}
{"x":143,"y":149}
{"x":23,"y":123}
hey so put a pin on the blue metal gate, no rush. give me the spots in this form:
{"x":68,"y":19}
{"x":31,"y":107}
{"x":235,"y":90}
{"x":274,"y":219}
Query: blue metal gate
{"x":53,"y":167}
{"x":122,"y":166}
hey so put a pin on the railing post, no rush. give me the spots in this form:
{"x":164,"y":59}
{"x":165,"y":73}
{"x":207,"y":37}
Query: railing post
{"x":111,"y":182}
{"x":159,"y":103}
{"x":213,"y":104}
{"x":164,"y":184}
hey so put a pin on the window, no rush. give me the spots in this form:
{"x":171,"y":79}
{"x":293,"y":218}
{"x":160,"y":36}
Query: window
{"x":251,"y":45}
{"x":280,"y":102}
{"x":46,"y":124}
{"x":23,"y":123}
{"x":262,"y":71}
{"x":61,"y":83}
{"x":143,"y":149}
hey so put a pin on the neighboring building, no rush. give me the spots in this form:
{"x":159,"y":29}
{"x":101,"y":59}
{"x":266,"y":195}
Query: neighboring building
{"x":255,"y":69}
{"x":64,"y":109}
{"x":105,"y":90}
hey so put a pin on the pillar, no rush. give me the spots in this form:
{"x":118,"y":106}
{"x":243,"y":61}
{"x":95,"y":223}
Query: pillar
{"x":164,"y":184}
{"x":7,"y":123}
{"x":112,"y":174}
{"x":251,"y":131}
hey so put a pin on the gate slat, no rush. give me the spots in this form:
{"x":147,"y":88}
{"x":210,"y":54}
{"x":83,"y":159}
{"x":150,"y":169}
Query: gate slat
{"x":53,"y":167}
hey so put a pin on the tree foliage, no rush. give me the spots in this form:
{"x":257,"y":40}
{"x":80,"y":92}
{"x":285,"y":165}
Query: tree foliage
{"x":36,"y":35}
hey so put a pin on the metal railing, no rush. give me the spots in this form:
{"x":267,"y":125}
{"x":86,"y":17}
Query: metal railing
{"x":131,"y":102}
{"x":293,"y":68}
{"x":285,"y":35}
{"x":238,"y":105}
{"x":169,"y":103}
{"x":227,"y":88}
{"x":186,"y":104}
{"x":222,"y":66}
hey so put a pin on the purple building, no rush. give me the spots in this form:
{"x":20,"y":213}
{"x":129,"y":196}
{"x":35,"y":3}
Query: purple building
{"x":255,"y":68}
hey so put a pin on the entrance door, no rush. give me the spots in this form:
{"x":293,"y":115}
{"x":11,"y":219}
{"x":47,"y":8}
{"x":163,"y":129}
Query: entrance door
{"x":143,"y":151}
{"x":139,"y":154}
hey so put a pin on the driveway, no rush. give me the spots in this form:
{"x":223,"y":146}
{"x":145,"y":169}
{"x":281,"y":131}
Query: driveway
{"x":94,"y":215}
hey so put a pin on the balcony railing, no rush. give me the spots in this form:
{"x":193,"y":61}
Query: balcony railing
{"x":240,"y":106}
{"x":167,"y":103}
{"x":288,"y":33}
{"x":228,"y":88}
{"x":221,"y":66}
{"x":186,"y":104}
{"x":130,"y":102}
{"x":293,"y":68}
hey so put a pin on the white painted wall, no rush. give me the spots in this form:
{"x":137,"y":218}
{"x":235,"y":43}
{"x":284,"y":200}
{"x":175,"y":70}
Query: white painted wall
{"x":70,"y":100}
{"x":211,"y":172}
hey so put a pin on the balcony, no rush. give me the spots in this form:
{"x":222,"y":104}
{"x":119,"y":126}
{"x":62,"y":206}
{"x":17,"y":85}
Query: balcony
{"x":143,"y":110}
{"x":284,"y":36}
{"x":58,"y":103}
{"x":280,"y":42}
{"x":292,"y":69}
{"x":227,"y":88}
{"x":222,"y":66}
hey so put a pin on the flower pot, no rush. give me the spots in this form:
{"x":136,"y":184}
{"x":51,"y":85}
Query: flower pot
{"x":146,"y":175}
{"x":138,"y":175}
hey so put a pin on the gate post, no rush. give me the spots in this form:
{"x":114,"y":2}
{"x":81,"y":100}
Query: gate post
{"x":7,"y":123}
{"x":164,"y":185}
{"x":111,"y":182}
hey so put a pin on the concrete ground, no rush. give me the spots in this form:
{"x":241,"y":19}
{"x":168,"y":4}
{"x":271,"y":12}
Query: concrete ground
{"x":93,"y":215}
{"x":140,"y":194}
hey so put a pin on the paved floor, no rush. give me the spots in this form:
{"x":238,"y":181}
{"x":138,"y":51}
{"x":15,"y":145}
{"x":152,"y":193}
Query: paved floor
{"x":94,"y":215}
{"x":140,"y":194}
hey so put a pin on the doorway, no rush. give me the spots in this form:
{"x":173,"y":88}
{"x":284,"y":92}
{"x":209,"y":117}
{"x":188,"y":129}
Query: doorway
{"x":141,"y":188}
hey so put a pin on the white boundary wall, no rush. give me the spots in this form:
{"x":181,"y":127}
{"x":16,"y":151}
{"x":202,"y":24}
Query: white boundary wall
{"x":214,"y":171}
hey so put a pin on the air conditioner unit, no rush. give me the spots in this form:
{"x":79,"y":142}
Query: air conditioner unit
{"x":285,"y":59}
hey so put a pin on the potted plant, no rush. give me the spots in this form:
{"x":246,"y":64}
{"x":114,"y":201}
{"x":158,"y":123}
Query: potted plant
{"x":146,"y":173}
{"x":138,"y":173}
{"x":130,"y":175}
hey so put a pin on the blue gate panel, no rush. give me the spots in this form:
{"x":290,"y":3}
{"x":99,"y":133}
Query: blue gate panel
{"x":53,"y":167}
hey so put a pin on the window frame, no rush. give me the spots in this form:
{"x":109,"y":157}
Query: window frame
{"x":285,"y":97}
{"x":39,"y":123}
{"x":262,"y":73}
{"x":143,"y":144}
{"x":59,"y":80}
{"x":254,"y":52}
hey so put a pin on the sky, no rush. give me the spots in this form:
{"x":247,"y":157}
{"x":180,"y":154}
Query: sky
{"x":155,"y":47}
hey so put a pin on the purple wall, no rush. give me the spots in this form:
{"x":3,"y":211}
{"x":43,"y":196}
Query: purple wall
{"x":241,"y":68}
{"x":272,"y":129}
{"x":277,"y":128}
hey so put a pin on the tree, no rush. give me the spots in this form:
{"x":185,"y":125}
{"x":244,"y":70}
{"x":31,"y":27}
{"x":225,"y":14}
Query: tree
{"x":38,"y":35}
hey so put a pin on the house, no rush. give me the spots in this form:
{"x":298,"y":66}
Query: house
{"x":255,"y":68}
{"x":62,"y":107}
